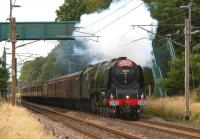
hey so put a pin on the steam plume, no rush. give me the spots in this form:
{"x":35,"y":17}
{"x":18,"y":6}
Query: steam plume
{"x":117,"y":35}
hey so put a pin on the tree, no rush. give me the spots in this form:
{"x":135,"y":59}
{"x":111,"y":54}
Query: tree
{"x":174,"y":81}
{"x":195,"y":66}
{"x":4,"y":76}
{"x":175,"y":77}
{"x":148,"y":78}
{"x":50,"y":69}
{"x":168,"y":13}
{"x":72,"y":10}
{"x":31,"y":70}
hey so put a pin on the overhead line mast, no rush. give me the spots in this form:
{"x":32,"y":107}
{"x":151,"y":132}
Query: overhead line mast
{"x":13,"y":41}
{"x":187,"y":32}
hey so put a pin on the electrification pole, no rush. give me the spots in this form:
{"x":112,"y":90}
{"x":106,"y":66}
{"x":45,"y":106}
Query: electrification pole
{"x":188,"y":33}
{"x":13,"y":41}
{"x":190,"y":20}
{"x":187,"y":69}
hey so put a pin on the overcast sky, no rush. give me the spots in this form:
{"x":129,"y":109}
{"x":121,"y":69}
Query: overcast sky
{"x":31,"y":10}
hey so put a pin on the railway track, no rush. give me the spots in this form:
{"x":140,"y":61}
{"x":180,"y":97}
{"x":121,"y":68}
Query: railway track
{"x":172,"y":129}
{"x":180,"y":131}
{"x":84,"y":127}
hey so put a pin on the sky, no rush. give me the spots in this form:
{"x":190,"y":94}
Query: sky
{"x":30,"y":10}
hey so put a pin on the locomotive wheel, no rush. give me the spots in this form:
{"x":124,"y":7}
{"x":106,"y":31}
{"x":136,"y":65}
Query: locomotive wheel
{"x":136,"y":116}
{"x":97,"y":109}
{"x":107,"y":111}
{"x":101,"y":110}
{"x":104,"y":108}
{"x":104,"y":111}
{"x":94,"y":108}
{"x":112,"y":111}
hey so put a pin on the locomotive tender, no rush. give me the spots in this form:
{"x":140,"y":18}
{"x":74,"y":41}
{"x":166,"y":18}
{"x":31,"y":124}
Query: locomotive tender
{"x":109,"y":88}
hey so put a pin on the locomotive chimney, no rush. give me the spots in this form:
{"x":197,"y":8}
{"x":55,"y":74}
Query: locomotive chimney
{"x":122,"y":58}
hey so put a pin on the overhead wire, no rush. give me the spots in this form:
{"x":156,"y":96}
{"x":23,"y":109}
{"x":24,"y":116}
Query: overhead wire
{"x":154,"y":25}
{"x":118,"y":18}
{"x":124,"y":34}
{"x":182,"y":13}
{"x":101,"y":19}
{"x":177,"y":43}
{"x":121,"y":17}
{"x":133,"y":41}
{"x":14,"y":2}
{"x":27,"y":43}
{"x":179,"y":36}
{"x":173,"y":40}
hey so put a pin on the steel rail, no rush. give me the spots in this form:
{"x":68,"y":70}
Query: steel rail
{"x":109,"y":130}
{"x":167,"y":128}
{"x":179,"y":127}
{"x":180,"y":131}
{"x":55,"y":118}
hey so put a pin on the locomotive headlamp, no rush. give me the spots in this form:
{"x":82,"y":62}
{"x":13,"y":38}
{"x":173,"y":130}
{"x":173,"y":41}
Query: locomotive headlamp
{"x":127,"y":97}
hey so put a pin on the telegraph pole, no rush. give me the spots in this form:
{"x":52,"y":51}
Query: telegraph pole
{"x":187,"y":69}
{"x":13,"y":41}
{"x":188,"y":33}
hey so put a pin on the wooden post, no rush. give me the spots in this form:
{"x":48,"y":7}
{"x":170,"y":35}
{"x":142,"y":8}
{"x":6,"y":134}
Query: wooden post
{"x":13,"y":41}
{"x":149,"y":90}
{"x":187,"y":60}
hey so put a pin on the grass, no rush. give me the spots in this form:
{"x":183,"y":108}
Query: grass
{"x":172,"y":108}
{"x":18,"y":123}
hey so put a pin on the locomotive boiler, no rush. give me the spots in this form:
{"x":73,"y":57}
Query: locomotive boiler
{"x":110,"y":88}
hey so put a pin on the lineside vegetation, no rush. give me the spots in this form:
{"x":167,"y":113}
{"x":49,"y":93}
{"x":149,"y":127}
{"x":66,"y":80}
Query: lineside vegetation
{"x":18,"y":123}
{"x":172,"y":108}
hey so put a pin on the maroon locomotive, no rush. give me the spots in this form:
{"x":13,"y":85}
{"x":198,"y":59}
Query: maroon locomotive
{"x":111,"y":88}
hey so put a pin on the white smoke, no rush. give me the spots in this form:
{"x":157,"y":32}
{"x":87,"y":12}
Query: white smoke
{"x":118,"y":38}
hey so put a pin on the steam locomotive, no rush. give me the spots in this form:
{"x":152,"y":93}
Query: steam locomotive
{"x":111,"y":88}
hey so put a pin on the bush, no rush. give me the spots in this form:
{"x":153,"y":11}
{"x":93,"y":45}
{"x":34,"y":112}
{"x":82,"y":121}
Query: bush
{"x":172,"y":108}
{"x":196,"y":94}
